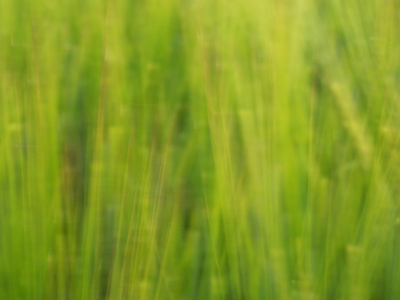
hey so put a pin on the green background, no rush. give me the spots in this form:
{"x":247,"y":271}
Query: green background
{"x":199,"y":149}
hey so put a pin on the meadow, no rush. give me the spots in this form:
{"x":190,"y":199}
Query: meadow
{"x":199,"y":149}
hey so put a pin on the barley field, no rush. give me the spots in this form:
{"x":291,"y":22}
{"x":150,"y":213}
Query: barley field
{"x":199,"y":149}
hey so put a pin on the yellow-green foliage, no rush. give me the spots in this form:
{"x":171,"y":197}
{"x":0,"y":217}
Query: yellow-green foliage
{"x":199,"y":149}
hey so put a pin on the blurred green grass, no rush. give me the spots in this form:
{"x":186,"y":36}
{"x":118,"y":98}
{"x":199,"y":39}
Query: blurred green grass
{"x":194,"y":149}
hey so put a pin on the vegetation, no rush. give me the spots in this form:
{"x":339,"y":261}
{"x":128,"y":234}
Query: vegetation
{"x":187,"y":149}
